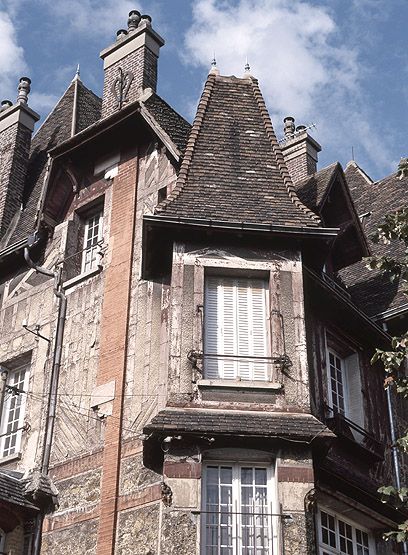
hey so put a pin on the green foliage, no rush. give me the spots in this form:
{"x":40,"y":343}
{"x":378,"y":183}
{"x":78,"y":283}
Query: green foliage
{"x":394,"y":228}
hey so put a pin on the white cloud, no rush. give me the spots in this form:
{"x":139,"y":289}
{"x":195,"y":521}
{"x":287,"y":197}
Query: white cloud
{"x":12,"y":63}
{"x":304,"y":66}
{"x":42,"y":102}
{"x":95,"y":17}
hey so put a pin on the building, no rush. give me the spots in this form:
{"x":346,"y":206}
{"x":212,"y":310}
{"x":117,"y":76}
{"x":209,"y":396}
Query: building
{"x":186,"y":327}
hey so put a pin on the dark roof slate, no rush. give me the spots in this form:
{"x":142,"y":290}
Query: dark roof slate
{"x":233,"y":169}
{"x":176,"y":127}
{"x":55,"y":129}
{"x":12,"y":490}
{"x":370,"y":290}
{"x":273,"y":425}
{"x":312,"y":189}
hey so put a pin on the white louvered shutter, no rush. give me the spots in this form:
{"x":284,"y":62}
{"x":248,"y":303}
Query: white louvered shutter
{"x":235,"y":325}
{"x":355,"y":406}
{"x":258,"y":319}
{"x":212,"y":331}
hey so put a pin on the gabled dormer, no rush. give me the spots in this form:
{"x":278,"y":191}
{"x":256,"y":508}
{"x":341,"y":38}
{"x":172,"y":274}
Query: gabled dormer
{"x":327,"y":193}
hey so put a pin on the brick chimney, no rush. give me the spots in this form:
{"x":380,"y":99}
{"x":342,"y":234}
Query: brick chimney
{"x":299,"y":150}
{"x":16,"y":126}
{"x":130,"y":64}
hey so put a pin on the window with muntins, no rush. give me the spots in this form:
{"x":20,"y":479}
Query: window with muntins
{"x":12,"y":417}
{"x":342,"y":537}
{"x":92,"y":240}
{"x":236,"y":338}
{"x":237,"y":510}
{"x":344,"y":382}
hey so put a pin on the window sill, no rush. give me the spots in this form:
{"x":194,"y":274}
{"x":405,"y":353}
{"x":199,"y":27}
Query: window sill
{"x":82,"y":277}
{"x":10,"y":458}
{"x":249,"y":385}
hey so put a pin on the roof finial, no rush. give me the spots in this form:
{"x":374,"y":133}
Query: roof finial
{"x":77,"y":74}
{"x":247,"y":66}
{"x":214,"y":70}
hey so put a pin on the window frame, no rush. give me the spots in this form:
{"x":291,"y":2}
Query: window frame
{"x":98,"y":212}
{"x":344,"y":383}
{"x":7,"y":408}
{"x":234,"y":279}
{"x":325,"y":548}
{"x":236,"y":488}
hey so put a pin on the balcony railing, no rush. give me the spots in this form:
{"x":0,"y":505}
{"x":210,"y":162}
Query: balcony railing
{"x":348,"y":430}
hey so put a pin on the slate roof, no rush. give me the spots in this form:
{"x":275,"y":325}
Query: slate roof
{"x":312,"y":189}
{"x":171,"y":122}
{"x":55,"y":129}
{"x":217,"y":422}
{"x":233,"y":169}
{"x":12,"y":489}
{"x":370,"y":290}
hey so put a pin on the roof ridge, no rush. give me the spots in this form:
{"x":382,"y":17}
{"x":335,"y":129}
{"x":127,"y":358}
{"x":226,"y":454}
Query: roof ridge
{"x":278,"y":153}
{"x":188,"y":155}
{"x":364,"y":175}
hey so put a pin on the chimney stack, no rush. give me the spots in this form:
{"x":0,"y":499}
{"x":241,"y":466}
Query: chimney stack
{"x":16,"y":126}
{"x":130,"y":64}
{"x":299,"y":150}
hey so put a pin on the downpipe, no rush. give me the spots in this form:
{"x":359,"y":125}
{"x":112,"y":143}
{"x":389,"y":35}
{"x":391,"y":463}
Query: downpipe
{"x":55,"y":371}
{"x":394,"y":448}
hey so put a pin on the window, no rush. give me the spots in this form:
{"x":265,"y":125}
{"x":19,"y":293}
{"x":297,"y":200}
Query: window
{"x":344,"y":381}
{"x":12,"y":417}
{"x":2,"y":540}
{"x":92,"y":240}
{"x":238,"y":510}
{"x":236,"y":338}
{"x":341,"y":537}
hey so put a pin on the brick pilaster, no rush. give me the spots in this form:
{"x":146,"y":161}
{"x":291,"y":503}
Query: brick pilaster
{"x":114,"y":328}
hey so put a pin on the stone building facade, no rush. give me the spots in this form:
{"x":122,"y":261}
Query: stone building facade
{"x":187,"y":326}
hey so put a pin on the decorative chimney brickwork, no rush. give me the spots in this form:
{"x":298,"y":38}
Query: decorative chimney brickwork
{"x":300,"y":150}
{"x":130,"y":64}
{"x":16,"y":127}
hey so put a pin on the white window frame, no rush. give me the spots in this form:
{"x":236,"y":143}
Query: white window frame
{"x":271,"y":516}
{"x":2,"y":540}
{"x":13,"y":402}
{"x":344,"y":385}
{"x":329,"y":550}
{"x":90,"y":257}
{"x":228,"y":367}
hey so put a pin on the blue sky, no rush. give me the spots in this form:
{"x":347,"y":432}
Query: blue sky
{"x":341,"y":64}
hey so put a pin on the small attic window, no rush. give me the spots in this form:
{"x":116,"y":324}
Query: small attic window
{"x":161,"y":195}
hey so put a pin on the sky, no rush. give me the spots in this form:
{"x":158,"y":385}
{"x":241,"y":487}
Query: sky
{"x":341,"y":65}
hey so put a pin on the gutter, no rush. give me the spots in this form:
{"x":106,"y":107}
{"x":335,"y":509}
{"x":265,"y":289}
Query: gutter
{"x":13,"y":249}
{"x":242,"y":226}
{"x":391,"y":313}
{"x":349,"y":304}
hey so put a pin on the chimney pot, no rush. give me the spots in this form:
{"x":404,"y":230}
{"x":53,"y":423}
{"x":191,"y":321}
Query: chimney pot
{"x":121,"y":34}
{"x":134,"y":20}
{"x":147,"y":19}
{"x":289,"y":126}
{"x":300,"y":128}
{"x":5,"y":104}
{"x":24,"y":89}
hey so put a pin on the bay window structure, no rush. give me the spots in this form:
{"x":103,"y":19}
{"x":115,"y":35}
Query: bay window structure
{"x":12,"y":417}
{"x":238,"y":514}
{"x":338,"y":536}
{"x":236,"y":335}
{"x":92,"y":241}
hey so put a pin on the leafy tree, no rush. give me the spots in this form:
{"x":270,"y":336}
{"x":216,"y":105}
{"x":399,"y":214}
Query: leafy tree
{"x":395,"y":229}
